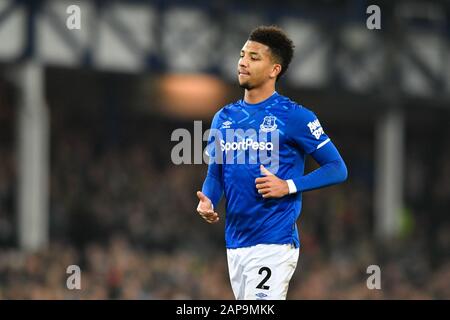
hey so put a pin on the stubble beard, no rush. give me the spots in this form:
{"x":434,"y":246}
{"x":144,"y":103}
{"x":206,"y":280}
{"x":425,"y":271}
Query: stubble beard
{"x":245,"y":85}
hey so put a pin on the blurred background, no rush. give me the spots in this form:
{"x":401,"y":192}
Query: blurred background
{"x":86,"y":118}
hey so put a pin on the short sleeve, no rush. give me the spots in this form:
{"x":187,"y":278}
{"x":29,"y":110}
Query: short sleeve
{"x":306,"y":131}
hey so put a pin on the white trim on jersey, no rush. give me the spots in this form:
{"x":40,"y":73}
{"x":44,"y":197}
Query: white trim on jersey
{"x":291,"y":185}
{"x":322,"y":144}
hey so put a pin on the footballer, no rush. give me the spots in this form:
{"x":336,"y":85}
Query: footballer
{"x":259,"y":169}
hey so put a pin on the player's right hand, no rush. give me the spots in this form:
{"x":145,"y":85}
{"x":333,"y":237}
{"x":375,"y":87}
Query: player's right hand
{"x":205,"y":208}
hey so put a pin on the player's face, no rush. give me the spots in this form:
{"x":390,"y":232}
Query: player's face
{"x":255,"y":65}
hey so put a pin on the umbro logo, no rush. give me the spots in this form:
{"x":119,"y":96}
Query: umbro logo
{"x":226,"y":125}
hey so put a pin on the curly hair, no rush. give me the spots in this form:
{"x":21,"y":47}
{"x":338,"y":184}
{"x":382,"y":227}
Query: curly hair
{"x":281,"y":47}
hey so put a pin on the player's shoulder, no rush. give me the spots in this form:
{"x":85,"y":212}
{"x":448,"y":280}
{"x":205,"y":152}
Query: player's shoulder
{"x":225,"y":112}
{"x":294,"y":108}
{"x":230,"y":107}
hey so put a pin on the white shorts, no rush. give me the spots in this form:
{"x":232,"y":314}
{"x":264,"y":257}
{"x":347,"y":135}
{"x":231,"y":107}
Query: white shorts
{"x":263,"y":271}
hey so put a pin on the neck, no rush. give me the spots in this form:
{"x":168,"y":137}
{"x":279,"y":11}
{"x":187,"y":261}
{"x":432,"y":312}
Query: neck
{"x":256,"y":95}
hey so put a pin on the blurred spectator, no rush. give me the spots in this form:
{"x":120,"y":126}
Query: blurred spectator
{"x":126,"y":215}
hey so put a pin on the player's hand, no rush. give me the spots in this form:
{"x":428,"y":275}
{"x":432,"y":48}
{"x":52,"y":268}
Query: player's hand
{"x":270,"y":186}
{"x":205,"y":208}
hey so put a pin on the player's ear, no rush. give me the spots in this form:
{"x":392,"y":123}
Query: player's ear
{"x":276,"y":69}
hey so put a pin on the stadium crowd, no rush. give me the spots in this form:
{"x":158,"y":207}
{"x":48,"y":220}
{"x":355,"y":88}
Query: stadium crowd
{"x":126,"y":215}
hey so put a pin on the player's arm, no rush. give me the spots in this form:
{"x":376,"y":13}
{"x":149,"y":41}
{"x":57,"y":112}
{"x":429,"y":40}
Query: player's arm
{"x":212,"y":189}
{"x":332,"y":170}
{"x":307,"y":132}
{"x":211,"y":193}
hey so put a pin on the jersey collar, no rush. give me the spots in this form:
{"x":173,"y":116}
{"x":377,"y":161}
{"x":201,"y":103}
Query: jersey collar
{"x":266,"y":101}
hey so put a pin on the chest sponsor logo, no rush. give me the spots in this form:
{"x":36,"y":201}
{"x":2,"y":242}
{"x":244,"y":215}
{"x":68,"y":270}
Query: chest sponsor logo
{"x":245,"y":145}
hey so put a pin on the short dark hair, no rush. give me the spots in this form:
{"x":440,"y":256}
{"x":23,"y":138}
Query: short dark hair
{"x":281,"y":47}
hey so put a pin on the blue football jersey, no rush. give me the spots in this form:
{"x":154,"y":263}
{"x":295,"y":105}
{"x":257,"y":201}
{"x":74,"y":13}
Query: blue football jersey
{"x":277,"y":133}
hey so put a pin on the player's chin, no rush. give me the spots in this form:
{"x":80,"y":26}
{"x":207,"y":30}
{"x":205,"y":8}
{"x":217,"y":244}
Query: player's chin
{"x":244,"y":84}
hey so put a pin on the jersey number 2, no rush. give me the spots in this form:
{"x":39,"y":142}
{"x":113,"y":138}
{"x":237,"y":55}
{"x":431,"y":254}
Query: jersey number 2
{"x":268,"y":274}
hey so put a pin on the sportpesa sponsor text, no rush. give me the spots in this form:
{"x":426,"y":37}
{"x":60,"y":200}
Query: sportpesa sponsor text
{"x":245,"y":145}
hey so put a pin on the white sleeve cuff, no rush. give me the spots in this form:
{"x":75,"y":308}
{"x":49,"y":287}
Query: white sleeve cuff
{"x":291,"y":186}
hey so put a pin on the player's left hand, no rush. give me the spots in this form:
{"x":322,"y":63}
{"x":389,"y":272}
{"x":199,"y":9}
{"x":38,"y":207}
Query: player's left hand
{"x":270,"y":186}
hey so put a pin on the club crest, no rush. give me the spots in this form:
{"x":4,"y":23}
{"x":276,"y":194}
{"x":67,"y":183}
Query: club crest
{"x":268,"y":124}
